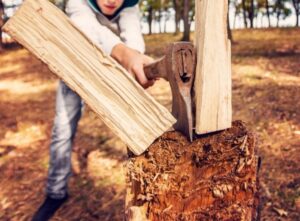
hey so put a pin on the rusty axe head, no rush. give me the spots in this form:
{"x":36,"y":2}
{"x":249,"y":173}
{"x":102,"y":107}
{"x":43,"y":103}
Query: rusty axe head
{"x":178,"y":67}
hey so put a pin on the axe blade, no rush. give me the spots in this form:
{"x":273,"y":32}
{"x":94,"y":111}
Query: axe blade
{"x":178,"y":67}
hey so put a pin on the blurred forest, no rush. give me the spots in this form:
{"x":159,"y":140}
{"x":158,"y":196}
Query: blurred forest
{"x":182,"y":13}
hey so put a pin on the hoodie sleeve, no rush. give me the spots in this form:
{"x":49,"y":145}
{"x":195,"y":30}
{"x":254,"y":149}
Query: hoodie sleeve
{"x":85,"y":20}
{"x":130,"y":27}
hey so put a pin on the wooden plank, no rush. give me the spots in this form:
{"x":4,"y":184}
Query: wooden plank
{"x":104,"y":85}
{"x":213,"y":73}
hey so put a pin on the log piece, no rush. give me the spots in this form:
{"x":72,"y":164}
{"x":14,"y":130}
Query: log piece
{"x":213,"y":178}
{"x":123,"y":105}
{"x":213,"y":74}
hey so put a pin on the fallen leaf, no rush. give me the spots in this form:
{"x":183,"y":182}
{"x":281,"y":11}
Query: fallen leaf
{"x":280,"y":212}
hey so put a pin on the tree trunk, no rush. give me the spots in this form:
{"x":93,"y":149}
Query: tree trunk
{"x":177,"y":16}
{"x":278,"y":12}
{"x":251,"y":13}
{"x":150,"y":19}
{"x":165,"y":22}
{"x":229,"y":32}
{"x":159,"y":21}
{"x":235,"y":14}
{"x":244,"y":13}
{"x":213,"y":178}
{"x":268,"y":12}
{"x":1,"y":22}
{"x":297,"y":10}
{"x":186,"y":22}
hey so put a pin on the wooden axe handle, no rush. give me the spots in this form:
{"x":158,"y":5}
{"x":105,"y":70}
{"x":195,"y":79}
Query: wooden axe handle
{"x":156,"y":69}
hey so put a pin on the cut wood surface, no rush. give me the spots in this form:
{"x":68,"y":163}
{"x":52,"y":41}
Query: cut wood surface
{"x":213,"y":74}
{"x":104,"y":85}
{"x":213,"y":178}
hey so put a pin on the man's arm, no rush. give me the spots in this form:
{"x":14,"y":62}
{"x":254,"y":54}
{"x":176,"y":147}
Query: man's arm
{"x":131,"y":59}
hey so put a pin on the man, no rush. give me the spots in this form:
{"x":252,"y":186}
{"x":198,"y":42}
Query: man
{"x":113,"y":25}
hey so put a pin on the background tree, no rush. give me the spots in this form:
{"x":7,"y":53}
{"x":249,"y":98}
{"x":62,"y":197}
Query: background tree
{"x":1,"y":22}
{"x":229,"y":33}
{"x":178,"y":12}
{"x":296,"y":4}
{"x":187,"y":19}
{"x":281,"y":10}
{"x":267,"y":7}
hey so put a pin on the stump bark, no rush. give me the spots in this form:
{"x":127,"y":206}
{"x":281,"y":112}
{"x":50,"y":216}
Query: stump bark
{"x":213,"y":178}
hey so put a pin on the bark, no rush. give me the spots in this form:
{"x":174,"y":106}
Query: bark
{"x":268,"y":12}
{"x":186,"y":22}
{"x":213,"y":178}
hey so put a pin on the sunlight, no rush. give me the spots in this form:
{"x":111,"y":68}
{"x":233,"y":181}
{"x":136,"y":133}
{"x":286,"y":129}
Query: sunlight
{"x":26,"y":135}
{"x":20,"y":87}
{"x":254,"y":74}
{"x":11,"y":68}
{"x":104,"y":171}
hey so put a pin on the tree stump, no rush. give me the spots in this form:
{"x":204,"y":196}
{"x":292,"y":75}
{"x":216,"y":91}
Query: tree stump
{"x":213,"y":178}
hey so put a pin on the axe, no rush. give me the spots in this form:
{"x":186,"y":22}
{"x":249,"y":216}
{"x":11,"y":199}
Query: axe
{"x":178,"y":66}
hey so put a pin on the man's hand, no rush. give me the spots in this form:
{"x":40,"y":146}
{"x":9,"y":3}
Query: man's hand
{"x":133,"y":62}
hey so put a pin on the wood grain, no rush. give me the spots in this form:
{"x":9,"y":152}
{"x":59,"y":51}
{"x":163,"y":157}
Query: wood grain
{"x":213,"y":74}
{"x":126,"y":108}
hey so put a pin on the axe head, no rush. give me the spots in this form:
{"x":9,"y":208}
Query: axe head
{"x":180,"y":61}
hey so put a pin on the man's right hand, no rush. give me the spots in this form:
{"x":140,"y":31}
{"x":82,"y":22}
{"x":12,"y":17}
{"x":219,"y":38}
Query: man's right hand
{"x":134,"y":62}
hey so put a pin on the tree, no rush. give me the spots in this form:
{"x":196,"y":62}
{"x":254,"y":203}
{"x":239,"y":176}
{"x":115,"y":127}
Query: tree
{"x":281,"y":10}
{"x":178,"y":9}
{"x":296,"y":4}
{"x":186,"y":21}
{"x":229,"y":33}
{"x":251,"y":13}
{"x":268,"y":11}
{"x":244,"y":13}
{"x":1,"y":22}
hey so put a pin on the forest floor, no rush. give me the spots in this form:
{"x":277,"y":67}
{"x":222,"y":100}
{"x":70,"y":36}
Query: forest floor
{"x":266,"y":95}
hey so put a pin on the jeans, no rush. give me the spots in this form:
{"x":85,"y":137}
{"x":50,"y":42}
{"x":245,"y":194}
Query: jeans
{"x":68,"y":112}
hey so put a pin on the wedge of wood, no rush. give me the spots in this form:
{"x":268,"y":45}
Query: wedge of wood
{"x":126,"y":108}
{"x":213,"y":74}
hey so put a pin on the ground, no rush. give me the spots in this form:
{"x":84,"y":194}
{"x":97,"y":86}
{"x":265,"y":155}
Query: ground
{"x":266,"y":95}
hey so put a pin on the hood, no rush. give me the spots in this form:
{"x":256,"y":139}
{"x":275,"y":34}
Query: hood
{"x":127,"y":3}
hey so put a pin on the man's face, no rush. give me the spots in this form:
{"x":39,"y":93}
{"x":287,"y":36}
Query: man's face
{"x":109,"y":7}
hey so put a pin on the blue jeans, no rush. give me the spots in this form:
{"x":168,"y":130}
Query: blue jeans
{"x":68,"y":112}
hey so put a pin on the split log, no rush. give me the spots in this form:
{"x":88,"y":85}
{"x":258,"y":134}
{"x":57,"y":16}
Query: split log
{"x":104,"y":85}
{"x":213,"y":178}
{"x":213,"y":74}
